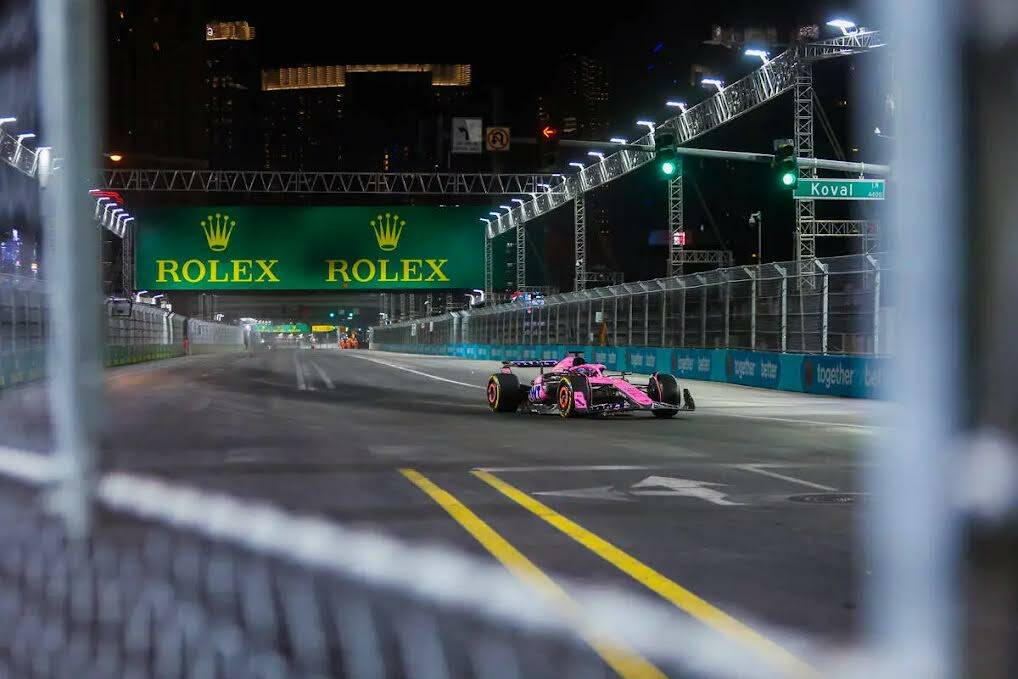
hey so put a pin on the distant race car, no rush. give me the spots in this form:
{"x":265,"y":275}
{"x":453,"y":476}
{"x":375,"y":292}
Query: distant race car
{"x":573,"y":388}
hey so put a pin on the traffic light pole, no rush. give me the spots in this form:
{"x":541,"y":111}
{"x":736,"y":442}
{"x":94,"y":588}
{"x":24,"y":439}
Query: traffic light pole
{"x":580,"y":241}
{"x":675,"y":222}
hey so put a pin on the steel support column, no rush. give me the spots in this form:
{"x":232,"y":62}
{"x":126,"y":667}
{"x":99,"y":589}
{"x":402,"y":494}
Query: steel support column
{"x":675,"y":222}
{"x":805,"y":210}
{"x":580,"y":241}
{"x":784,"y":307}
{"x":489,"y":282}
{"x":521,"y":257}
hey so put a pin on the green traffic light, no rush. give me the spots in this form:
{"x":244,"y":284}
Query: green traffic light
{"x":332,"y":314}
{"x":788,"y":178}
{"x":668,"y":167}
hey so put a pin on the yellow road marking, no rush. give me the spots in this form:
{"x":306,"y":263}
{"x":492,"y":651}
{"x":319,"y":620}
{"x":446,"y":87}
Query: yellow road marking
{"x":624,"y":661}
{"x":671,"y":591}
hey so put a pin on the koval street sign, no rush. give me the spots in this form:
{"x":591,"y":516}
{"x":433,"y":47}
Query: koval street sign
{"x":839,"y":189}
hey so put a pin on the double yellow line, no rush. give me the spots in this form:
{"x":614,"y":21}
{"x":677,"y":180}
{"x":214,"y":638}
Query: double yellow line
{"x":623,"y":661}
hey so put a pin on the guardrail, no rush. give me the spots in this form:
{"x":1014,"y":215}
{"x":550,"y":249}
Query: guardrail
{"x":148,"y":333}
{"x":829,"y":306}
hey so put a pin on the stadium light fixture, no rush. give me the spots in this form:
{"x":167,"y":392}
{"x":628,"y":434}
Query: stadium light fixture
{"x":847,"y":27}
{"x":596,"y":154}
{"x":716,"y":82}
{"x":681,"y":105}
{"x":758,"y":53}
{"x":579,"y":166}
{"x":646,"y":123}
{"x":518,"y":201}
{"x":618,"y":140}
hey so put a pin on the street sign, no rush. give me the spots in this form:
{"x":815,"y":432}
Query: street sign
{"x":497,"y":139}
{"x":467,"y":135}
{"x":839,"y":189}
{"x":322,"y":328}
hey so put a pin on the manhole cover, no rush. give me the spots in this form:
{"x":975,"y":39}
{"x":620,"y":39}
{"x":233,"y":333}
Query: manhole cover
{"x":826,"y":498}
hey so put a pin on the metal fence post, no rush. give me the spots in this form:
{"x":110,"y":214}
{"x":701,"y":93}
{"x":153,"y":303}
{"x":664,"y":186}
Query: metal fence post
{"x":784,"y":307}
{"x":728,"y":296}
{"x":646,"y":318}
{"x":615,"y":321}
{"x":68,"y":64}
{"x":682,"y":318}
{"x":558,"y":319}
{"x":876,"y":303}
{"x":823,"y":307}
{"x":703,"y":312}
{"x":664,"y":317}
{"x":629,"y":335}
{"x":590,"y":320}
{"x":752,"y":305}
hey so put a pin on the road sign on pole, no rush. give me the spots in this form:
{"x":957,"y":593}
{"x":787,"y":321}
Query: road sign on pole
{"x":467,"y":135}
{"x":840,"y":189}
{"x":496,"y":139}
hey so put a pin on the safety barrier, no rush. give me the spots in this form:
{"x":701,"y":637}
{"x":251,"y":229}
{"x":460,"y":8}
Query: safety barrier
{"x":854,"y":376}
{"x":147,"y":333}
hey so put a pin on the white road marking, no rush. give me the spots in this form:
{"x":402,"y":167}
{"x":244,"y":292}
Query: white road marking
{"x":683,"y":488}
{"x":803,"y":482}
{"x":864,"y":427}
{"x":574,"y":468}
{"x":301,"y":383}
{"x":598,"y":493}
{"x":321,"y":373}
{"x":418,"y":372}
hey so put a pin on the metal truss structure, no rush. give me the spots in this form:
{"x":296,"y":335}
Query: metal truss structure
{"x":521,"y":259}
{"x":579,"y":241}
{"x":17,"y":155}
{"x":388,"y":183}
{"x":722,"y":258}
{"x":770,"y":80}
{"x":805,"y":210}
{"x":675,"y":222}
{"x":489,"y":282}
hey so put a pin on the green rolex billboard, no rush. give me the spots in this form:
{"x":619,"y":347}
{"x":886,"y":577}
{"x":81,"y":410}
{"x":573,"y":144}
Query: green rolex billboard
{"x":309,"y":248}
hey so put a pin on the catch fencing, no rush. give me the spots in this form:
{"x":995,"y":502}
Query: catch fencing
{"x":835,"y":305}
{"x":145,"y":333}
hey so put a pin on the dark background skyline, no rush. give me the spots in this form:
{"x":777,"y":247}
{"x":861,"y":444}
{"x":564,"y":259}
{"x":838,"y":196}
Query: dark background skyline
{"x":525,"y":64}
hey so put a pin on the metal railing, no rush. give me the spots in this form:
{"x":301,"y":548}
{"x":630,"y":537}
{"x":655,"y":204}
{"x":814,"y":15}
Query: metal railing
{"x":832,"y":306}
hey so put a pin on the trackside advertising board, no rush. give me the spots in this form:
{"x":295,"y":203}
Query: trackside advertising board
{"x":309,"y":248}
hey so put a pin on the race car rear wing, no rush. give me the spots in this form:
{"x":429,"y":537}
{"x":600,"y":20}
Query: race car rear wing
{"x":545,"y":363}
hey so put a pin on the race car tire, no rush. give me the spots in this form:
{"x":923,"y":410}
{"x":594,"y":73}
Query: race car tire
{"x":568,"y":388}
{"x":504,"y":394}
{"x":664,"y":388}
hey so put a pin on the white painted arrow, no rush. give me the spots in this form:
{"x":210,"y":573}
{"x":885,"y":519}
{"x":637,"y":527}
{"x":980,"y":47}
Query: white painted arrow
{"x":598,"y":493}
{"x":683,"y":488}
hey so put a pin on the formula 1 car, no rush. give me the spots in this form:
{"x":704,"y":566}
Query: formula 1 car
{"x":573,"y":388}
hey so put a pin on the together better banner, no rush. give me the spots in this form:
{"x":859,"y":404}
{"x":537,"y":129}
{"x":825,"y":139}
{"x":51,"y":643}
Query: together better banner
{"x":309,"y":248}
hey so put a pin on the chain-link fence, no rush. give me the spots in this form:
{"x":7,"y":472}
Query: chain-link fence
{"x":833,"y":305}
{"x":173,"y":582}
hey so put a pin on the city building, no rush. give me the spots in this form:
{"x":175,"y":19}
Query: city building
{"x":231,"y":79}
{"x":156,"y":63}
{"x":384,"y":117}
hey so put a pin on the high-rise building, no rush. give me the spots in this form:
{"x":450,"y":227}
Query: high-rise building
{"x":383,"y":117}
{"x":582,"y":96}
{"x":155,"y":52}
{"x":231,"y":79}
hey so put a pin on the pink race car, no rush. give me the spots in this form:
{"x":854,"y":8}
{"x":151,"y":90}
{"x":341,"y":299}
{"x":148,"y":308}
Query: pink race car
{"x":572,"y":388}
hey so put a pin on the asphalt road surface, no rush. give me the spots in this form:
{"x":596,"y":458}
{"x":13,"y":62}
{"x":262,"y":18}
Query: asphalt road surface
{"x":748,"y":506}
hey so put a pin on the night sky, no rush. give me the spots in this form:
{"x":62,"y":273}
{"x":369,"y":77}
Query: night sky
{"x":648,"y":49}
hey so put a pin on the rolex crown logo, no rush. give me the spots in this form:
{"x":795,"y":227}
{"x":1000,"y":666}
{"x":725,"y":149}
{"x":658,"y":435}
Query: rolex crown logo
{"x":217,"y":231}
{"x":388,"y":229}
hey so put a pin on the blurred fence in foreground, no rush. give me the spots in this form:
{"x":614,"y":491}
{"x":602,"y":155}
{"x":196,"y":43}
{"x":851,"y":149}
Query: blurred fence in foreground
{"x":174,"y":582}
{"x":837,"y":305}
